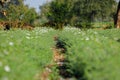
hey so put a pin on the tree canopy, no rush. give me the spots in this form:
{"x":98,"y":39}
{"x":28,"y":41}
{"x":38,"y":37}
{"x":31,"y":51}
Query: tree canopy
{"x":75,"y":11}
{"x":17,"y":11}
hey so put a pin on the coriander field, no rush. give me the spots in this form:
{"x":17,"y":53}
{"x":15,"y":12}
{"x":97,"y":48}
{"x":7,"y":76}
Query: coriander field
{"x":93,"y":54}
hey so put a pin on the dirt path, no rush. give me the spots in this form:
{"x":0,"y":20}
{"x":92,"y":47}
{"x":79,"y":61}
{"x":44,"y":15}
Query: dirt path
{"x":59,"y":62}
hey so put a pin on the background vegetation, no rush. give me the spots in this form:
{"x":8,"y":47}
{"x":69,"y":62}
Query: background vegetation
{"x":77,"y":12}
{"x":17,"y":11}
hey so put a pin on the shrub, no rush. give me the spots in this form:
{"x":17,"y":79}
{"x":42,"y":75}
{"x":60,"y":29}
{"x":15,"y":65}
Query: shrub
{"x":83,"y":25}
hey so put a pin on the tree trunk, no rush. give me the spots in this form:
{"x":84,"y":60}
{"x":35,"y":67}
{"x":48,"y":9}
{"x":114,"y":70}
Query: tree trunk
{"x":117,"y":17}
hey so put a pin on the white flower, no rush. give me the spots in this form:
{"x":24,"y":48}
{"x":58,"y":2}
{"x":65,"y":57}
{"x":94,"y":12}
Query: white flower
{"x":27,"y":37}
{"x":44,"y":31}
{"x":79,"y":32}
{"x":7,"y":68}
{"x":95,"y":33}
{"x":87,"y":38}
{"x":28,"y":34}
{"x":11,"y":43}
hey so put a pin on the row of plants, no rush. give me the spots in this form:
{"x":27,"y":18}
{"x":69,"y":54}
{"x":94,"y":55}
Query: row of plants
{"x":23,"y":53}
{"x":92,"y":54}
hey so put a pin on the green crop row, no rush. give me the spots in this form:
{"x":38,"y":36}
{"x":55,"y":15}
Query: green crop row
{"x":93,"y":54}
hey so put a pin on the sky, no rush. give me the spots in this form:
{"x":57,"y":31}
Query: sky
{"x":35,"y":3}
{"x":117,"y":0}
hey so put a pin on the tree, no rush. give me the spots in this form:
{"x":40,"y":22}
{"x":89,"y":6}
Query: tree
{"x":3,"y":4}
{"x":17,"y":11}
{"x":59,"y":12}
{"x":77,"y":11}
{"x":117,"y":17}
{"x":44,"y":12}
{"x":89,"y":10}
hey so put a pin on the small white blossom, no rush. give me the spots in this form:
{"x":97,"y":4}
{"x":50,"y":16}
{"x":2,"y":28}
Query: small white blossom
{"x":7,"y":68}
{"x":11,"y":43}
{"x":28,"y":34}
{"x":44,"y":31}
{"x":87,"y":38}
{"x":79,"y":32}
{"x":27,"y":37}
{"x":95,"y":33}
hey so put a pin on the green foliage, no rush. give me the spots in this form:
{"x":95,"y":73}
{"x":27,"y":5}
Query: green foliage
{"x":44,"y":12}
{"x":25,"y":53}
{"x":84,"y":25}
{"x":59,"y":12}
{"x":93,"y":54}
{"x":78,"y":11}
{"x":17,"y":11}
{"x":94,"y":9}
{"x":102,"y":24}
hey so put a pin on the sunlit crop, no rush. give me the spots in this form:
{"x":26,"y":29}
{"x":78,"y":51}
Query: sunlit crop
{"x":23,"y":53}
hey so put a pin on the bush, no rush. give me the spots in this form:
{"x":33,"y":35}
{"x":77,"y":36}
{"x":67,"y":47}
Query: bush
{"x":83,"y":25}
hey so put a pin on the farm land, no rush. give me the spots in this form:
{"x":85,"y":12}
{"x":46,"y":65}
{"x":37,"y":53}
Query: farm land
{"x":66,"y":40}
{"x":93,"y":54}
